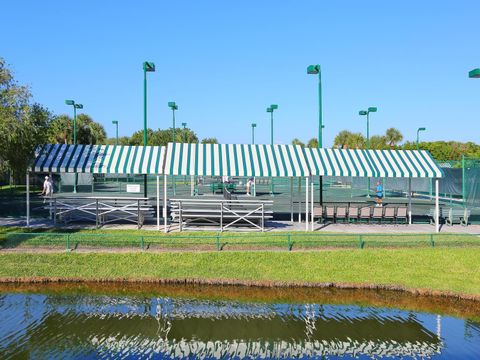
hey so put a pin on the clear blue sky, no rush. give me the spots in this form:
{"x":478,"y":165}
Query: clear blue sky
{"x":224,"y":62}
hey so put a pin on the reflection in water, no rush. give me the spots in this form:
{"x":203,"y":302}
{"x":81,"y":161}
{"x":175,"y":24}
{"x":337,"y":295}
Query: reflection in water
{"x":120,"y":326}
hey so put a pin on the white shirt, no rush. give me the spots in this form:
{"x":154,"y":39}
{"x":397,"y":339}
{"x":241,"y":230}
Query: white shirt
{"x":48,"y":187}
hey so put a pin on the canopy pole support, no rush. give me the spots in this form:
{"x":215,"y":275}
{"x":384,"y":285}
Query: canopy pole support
{"x":165,"y":203}
{"x":306,"y":203}
{"x":28,"y":198}
{"x":409,"y":201}
{"x":291,"y":199}
{"x":158,"y":202}
{"x":311,"y":204}
{"x":437,"y":207}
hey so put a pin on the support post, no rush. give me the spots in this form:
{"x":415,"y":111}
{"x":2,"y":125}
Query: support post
{"x":311,"y":204}
{"x":138,"y":214}
{"x":158,"y":202}
{"x":291,"y":199}
{"x":192,"y":185}
{"x":96,"y":213}
{"x":306,"y":203}
{"x":180,"y":219}
{"x":263,"y":217}
{"x":409,"y":201}
{"x":165,"y":203}
{"x":221,"y":216}
{"x":300,"y":209}
{"x":321,"y":190}
{"x":28,"y":198}
{"x":437,"y":207}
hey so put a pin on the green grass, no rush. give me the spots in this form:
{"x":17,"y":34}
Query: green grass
{"x":453,"y":269}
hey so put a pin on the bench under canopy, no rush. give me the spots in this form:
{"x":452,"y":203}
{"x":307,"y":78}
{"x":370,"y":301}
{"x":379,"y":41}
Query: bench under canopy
{"x":238,"y":160}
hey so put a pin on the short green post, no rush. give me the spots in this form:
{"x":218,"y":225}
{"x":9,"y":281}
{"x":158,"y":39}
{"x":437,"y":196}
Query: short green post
{"x":68,"y":243}
{"x":361,"y":242}
{"x":218,"y":243}
{"x":289,"y":239}
{"x":142,"y":243}
{"x":432,"y":242}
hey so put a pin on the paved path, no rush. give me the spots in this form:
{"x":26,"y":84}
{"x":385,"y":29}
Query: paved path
{"x":270,"y":226}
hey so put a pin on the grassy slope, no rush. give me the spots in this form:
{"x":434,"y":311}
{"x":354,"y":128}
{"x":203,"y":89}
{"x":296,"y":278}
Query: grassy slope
{"x":455,"y":269}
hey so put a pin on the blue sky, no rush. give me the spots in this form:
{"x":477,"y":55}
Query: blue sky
{"x":224,"y":62}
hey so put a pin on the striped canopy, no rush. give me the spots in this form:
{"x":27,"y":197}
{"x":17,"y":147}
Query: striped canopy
{"x":235,"y":160}
{"x":372,"y":163}
{"x":99,"y":159}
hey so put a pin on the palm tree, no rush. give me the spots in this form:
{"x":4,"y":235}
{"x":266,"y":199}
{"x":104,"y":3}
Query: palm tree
{"x":210,"y":141}
{"x":393,"y":137}
{"x":378,"y":142}
{"x":61,"y":130}
{"x":341,"y":140}
{"x":89,"y":131}
{"x":356,"y":141}
{"x":313,"y":143}
{"x":297,"y":142}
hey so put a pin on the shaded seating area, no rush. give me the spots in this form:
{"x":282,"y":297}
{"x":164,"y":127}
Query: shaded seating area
{"x":380,"y":164}
{"x":100,"y":159}
{"x":247,"y":161}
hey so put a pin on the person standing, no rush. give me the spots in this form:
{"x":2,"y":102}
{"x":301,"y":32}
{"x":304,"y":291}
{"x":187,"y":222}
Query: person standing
{"x":379,"y":194}
{"x":47,"y":191}
{"x":250,"y":183}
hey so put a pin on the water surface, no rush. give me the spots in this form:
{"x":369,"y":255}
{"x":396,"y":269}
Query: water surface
{"x":149,"y":321}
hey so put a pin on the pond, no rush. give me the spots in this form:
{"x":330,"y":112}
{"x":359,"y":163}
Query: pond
{"x":158,"y":321}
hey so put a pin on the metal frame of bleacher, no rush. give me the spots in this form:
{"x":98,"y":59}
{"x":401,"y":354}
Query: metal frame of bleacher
{"x":224,"y":213}
{"x":102,"y":210}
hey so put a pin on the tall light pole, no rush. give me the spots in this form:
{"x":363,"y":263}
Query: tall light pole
{"x":253,"y":132}
{"x":172,"y":105}
{"x":270,"y":110}
{"x":367,"y":113}
{"x":316,"y":70}
{"x":147,"y":67}
{"x":474,"y":74}
{"x":75,"y":107}
{"x":115,"y":122}
{"x":184,"y":124}
{"x":418,"y":136}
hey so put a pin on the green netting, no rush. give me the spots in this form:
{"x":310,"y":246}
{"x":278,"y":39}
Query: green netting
{"x":459,"y":187}
{"x":472,"y":182}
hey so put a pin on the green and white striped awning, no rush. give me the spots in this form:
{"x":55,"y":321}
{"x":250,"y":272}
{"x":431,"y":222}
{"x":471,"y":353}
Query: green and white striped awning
{"x":99,"y":159}
{"x":235,"y":160}
{"x":372,"y":163}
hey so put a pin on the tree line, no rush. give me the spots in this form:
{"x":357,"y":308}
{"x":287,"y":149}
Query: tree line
{"x":24,"y":124}
{"x":392,"y":139}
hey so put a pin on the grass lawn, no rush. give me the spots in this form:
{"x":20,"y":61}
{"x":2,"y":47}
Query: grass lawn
{"x":444,"y":269}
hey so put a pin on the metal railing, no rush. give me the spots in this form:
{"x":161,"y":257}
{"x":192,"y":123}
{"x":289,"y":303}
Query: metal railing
{"x":102,"y":210}
{"x":218,"y":241}
{"x":221,"y":212}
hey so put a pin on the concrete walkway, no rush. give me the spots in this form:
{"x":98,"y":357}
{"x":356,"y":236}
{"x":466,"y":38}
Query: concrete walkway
{"x":269,"y":225}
